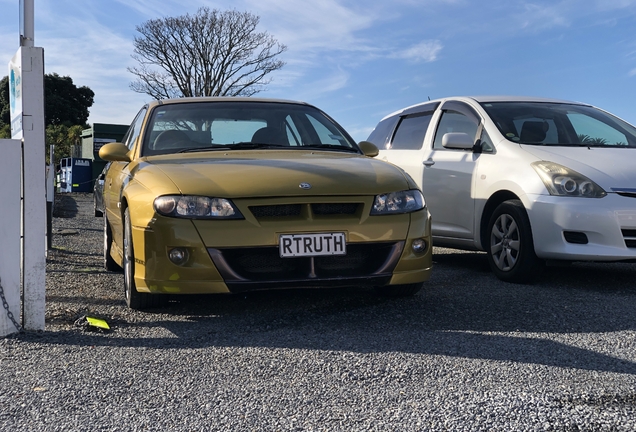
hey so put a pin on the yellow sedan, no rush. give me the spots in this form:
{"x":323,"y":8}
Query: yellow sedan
{"x":228,"y":195}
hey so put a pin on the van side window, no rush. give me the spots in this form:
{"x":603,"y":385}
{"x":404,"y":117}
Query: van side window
{"x":453,"y":121}
{"x":411,"y":131}
{"x":486,"y":143}
{"x":381,"y":135}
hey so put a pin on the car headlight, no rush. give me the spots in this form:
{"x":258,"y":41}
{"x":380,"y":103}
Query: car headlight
{"x":398,"y":202}
{"x":196,"y":207}
{"x":562,"y":181}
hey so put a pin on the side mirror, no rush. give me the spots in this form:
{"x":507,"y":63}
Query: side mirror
{"x":368,"y":148}
{"x":114,"y":152}
{"x":457,"y":140}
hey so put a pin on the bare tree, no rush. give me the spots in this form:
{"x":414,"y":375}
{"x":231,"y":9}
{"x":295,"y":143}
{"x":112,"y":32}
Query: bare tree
{"x":212,"y":53}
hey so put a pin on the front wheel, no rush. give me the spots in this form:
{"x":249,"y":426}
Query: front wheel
{"x":135,"y":299}
{"x":510,"y":246}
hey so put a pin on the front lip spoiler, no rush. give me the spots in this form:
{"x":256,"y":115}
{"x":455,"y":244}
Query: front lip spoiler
{"x":370,"y":281}
{"x":230,"y":276}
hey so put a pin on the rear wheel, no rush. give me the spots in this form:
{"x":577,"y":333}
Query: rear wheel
{"x":510,"y":246}
{"x":405,"y":290}
{"x":109,"y":262}
{"x":135,"y":299}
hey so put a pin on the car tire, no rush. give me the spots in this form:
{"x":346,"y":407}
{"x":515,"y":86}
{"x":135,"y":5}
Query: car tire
{"x":405,"y":290}
{"x":510,"y":245}
{"x":109,"y":262}
{"x":98,"y":213}
{"x":134,"y":299}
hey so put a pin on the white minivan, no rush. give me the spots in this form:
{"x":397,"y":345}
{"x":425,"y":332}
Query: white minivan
{"x":528,"y":180}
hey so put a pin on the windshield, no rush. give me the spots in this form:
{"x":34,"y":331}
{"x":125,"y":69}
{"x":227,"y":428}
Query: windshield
{"x":559,"y":124}
{"x":204,"y":126}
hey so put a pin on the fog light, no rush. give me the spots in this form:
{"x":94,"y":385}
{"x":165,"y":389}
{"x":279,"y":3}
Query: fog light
{"x":178,"y":255}
{"x":419,"y":245}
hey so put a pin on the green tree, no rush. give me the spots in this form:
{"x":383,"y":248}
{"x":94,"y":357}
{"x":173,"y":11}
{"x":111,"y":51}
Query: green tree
{"x":64,"y":102}
{"x":63,"y":138}
{"x":211,"y":53}
{"x":66,"y":110}
{"x":5,"y":107}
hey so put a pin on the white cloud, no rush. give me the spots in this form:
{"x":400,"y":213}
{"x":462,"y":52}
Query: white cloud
{"x":425,"y":51}
{"x":632,"y":72}
{"x":313,"y":26}
{"x":540,"y":17}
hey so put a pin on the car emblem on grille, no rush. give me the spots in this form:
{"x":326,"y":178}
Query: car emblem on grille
{"x":304,"y":186}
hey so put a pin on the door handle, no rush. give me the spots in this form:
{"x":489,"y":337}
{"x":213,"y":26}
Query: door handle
{"x":429,"y":162}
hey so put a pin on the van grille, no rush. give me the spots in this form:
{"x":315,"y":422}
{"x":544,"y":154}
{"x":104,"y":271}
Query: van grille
{"x":630,"y":237}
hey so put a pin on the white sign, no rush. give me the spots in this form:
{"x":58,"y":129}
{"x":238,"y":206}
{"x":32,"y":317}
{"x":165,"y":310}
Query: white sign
{"x":15,"y":95}
{"x":99,"y":142}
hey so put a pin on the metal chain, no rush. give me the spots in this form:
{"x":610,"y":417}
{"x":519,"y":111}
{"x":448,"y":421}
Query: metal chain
{"x":6,"y":307}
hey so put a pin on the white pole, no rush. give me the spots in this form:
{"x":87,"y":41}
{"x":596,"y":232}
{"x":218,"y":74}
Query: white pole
{"x":27,"y":123}
{"x":10,"y":236}
{"x":27,"y":28}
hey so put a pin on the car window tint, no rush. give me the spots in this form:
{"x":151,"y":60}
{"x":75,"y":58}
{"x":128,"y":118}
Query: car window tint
{"x":381,"y":135}
{"x":453,"y":121}
{"x":134,"y":130}
{"x":235,"y":131}
{"x":293,"y":135}
{"x":326,"y":134}
{"x":206,"y":125}
{"x":411,"y":131}
{"x":592,"y":131}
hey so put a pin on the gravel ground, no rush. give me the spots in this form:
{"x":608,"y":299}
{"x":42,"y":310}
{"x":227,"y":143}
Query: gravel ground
{"x":468,"y":353}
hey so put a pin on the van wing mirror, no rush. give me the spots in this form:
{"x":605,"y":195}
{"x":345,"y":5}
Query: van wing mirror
{"x":457,"y":140}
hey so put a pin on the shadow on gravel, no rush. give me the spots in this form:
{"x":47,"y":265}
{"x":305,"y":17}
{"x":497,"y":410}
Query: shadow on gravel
{"x":64,"y":206}
{"x":463,"y":311}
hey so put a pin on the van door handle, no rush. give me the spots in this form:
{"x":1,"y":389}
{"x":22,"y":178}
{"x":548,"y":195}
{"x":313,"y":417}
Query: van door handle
{"x":429,"y":162}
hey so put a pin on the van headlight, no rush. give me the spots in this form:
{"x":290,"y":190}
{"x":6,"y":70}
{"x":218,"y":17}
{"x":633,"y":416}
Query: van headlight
{"x":398,"y":202}
{"x":562,"y":181}
{"x":196,"y":207}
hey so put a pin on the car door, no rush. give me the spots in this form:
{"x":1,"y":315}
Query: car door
{"x":400,"y":139}
{"x":448,"y":176}
{"x":116,"y":178}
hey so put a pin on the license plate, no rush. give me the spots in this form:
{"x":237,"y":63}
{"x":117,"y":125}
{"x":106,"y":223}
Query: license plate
{"x":297,"y":245}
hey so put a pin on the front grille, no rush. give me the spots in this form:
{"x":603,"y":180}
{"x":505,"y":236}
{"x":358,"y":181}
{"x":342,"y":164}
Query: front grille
{"x":630,"y":237}
{"x":265,"y":264}
{"x":626,"y":192}
{"x":319,"y":209}
{"x":276,"y":210}
{"x":334,"y":208}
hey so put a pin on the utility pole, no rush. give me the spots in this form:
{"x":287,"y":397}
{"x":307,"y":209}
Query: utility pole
{"x":27,"y":124}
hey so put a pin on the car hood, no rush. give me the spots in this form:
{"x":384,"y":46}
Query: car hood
{"x":610,"y":168}
{"x":239,"y":174}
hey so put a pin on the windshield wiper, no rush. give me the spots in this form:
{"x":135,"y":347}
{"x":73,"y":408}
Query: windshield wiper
{"x":329,"y":147}
{"x":202,"y":149}
{"x":238,"y":146}
{"x":254,"y":145}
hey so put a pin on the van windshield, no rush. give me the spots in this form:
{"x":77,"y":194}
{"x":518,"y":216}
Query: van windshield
{"x":559,"y":124}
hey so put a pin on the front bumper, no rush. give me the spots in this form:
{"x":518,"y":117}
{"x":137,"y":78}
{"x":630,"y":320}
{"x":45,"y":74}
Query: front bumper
{"x":242,"y":255}
{"x":583,"y":229}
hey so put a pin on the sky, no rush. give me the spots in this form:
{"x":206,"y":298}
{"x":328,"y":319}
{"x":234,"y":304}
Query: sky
{"x":361,"y":60}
